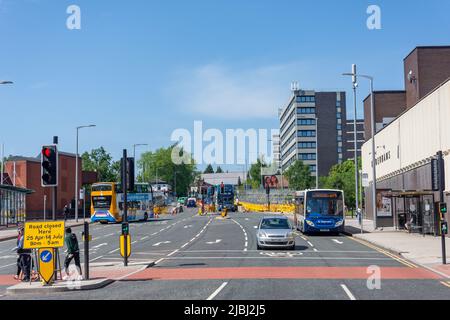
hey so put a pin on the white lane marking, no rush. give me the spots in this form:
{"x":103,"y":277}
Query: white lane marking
{"x":256,"y":227}
{"x":215,"y":293}
{"x":337,"y":241}
{"x":246,"y":219}
{"x":303,"y":238}
{"x":214,"y":242}
{"x":99,"y":257}
{"x":310,"y":244}
{"x":159,"y":261}
{"x":154,"y":233}
{"x":162,"y":242}
{"x":188,"y":226}
{"x":347,"y":291}
{"x":8,"y":257}
{"x":8,"y":265}
{"x":315,"y":250}
{"x":112,"y":251}
{"x":143,"y":238}
{"x":172,"y":253}
{"x":266,"y":257}
{"x":100,"y":245}
{"x":134,"y":242}
{"x":184,"y":245}
{"x":108,"y":235}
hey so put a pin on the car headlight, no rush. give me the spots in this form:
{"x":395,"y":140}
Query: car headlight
{"x":339,"y":223}
{"x":309,"y":223}
{"x":262,"y":234}
{"x":290,"y":235}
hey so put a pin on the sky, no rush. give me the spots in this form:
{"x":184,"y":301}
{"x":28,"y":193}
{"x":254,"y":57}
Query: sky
{"x":140,"y":69}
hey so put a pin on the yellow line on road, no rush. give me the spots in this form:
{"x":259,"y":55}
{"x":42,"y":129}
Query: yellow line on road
{"x":402,"y":261}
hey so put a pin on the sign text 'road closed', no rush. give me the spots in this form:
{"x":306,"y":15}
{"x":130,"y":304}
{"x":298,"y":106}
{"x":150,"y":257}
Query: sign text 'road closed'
{"x":48,"y":234}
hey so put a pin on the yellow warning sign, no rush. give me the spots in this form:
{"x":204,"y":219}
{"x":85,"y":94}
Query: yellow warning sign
{"x":122,"y":247}
{"x":48,"y":234}
{"x":46,"y":258}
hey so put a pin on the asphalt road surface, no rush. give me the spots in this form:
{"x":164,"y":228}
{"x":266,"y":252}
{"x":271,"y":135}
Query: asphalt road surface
{"x":207,"y":257}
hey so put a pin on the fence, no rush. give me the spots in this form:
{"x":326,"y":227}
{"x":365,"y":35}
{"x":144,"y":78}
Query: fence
{"x":257,"y":200}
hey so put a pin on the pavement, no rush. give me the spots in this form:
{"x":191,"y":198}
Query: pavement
{"x":206,"y":257}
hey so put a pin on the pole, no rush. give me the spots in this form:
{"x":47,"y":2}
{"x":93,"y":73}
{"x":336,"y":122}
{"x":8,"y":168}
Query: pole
{"x":442,"y":199}
{"x":84,"y":203}
{"x":86,"y":249}
{"x":125,"y":204}
{"x":317,"y":152}
{"x":1,"y":170}
{"x":76,"y":181}
{"x":374,"y":170}
{"x":45,"y":207}
{"x":355,"y":145}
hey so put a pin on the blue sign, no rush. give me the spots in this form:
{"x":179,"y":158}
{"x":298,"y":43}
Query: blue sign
{"x":46,"y":256}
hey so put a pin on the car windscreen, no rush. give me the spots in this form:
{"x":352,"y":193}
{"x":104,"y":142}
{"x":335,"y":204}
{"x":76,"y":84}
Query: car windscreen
{"x":275,"y":223}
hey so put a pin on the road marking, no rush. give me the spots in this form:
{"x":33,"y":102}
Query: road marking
{"x":108,"y":235}
{"x":214,"y":242}
{"x":184,"y":245}
{"x":347,"y":291}
{"x":160,"y":243}
{"x":337,"y":241}
{"x":133,"y":242}
{"x":256,"y":227}
{"x":304,"y":238}
{"x":188,"y":226}
{"x":310,"y":244}
{"x":143,"y":238}
{"x":267,"y":257}
{"x":447,"y":284}
{"x":158,"y":261}
{"x":8,"y":265}
{"x":282,"y":254}
{"x":112,"y":251}
{"x":8,"y":257}
{"x":402,"y":261}
{"x":100,"y":245}
{"x":96,"y":258}
{"x":215,"y":293}
{"x":172,"y":253}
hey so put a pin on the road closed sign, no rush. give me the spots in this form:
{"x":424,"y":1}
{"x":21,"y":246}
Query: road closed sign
{"x":47,"y":234}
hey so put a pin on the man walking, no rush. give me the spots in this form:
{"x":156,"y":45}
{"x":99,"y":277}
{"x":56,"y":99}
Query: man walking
{"x":73,"y":252}
{"x":24,"y":257}
{"x":66,"y":212}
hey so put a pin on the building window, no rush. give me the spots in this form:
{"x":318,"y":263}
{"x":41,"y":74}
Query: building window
{"x":306,"y":122}
{"x":307,"y":156}
{"x":340,"y":150}
{"x":313,"y":168}
{"x":339,"y":115}
{"x":306,"y":133}
{"x":339,"y":138}
{"x":339,"y":127}
{"x":306,"y":145}
{"x":338,"y":104}
{"x":303,"y":110}
{"x":303,"y":99}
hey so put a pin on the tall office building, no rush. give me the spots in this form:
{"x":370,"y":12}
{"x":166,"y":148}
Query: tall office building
{"x":276,"y":150}
{"x":312,"y":127}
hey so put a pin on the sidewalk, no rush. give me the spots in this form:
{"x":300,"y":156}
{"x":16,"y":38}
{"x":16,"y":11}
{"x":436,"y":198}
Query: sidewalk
{"x":422,"y":250}
{"x":11,"y":233}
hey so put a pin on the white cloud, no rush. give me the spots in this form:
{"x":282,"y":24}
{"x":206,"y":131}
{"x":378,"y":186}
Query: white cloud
{"x":217,"y":91}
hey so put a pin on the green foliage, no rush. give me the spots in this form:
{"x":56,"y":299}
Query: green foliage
{"x":159,"y":165}
{"x":299,"y":176}
{"x":342,"y":177}
{"x":255,"y":173}
{"x":100,"y":161}
{"x":219,"y":170}
{"x":209,"y":169}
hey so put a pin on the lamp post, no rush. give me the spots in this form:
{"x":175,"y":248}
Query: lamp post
{"x":317,"y":152}
{"x":372,"y":125}
{"x":134,"y":154}
{"x":1,"y":170}
{"x":76,"y":172}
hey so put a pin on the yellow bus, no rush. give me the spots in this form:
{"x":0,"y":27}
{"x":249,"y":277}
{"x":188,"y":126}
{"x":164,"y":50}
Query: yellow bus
{"x":107,"y":202}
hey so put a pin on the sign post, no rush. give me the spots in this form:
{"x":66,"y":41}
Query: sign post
{"x":442,"y":205}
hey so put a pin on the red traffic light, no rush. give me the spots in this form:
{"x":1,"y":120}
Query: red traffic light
{"x":47,"y":152}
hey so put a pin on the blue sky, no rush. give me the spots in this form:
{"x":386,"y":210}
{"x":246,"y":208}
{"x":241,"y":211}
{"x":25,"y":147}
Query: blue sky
{"x":140,"y":69}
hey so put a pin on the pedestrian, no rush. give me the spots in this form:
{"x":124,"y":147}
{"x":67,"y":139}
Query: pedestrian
{"x":24,"y":257}
{"x":18,"y":274}
{"x":66,"y":212}
{"x":73,"y":252}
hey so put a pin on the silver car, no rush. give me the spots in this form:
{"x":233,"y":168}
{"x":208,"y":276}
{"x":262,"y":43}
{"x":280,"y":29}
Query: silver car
{"x":275,"y":232}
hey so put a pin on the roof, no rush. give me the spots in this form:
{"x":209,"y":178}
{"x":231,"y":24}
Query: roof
{"x":426,"y":47}
{"x":12,"y":188}
{"x":384,"y":92}
{"x":38,"y":157}
{"x":226,"y":178}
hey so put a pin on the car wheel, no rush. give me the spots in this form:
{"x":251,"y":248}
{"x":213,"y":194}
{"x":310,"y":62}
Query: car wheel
{"x":258,"y":247}
{"x":293,"y":247}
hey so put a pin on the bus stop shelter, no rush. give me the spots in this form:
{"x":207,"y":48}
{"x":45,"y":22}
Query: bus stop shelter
{"x":12,"y":205}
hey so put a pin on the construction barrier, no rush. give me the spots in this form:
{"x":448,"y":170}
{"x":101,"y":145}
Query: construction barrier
{"x":253,"y":207}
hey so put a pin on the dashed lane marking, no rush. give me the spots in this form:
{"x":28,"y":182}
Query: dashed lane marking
{"x":215,"y":293}
{"x":348,"y":292}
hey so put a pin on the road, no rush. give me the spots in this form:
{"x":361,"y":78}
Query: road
{"x":207,"y":257}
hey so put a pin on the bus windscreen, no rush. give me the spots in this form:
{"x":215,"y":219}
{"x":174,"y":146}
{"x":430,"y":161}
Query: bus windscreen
{"x":325,"y":203}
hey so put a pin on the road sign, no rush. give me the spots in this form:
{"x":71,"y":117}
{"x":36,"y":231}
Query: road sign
{"x":46,"y":263}
{"x":124,"y":238}
{"x":47,"y":234}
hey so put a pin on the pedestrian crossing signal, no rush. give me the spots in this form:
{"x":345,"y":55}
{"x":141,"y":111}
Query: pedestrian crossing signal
{"x":125,"y":228}
{"x":443,"y":208}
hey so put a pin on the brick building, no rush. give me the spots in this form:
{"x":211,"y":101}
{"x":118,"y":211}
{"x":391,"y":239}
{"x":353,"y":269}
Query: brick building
{"x":25,"y":172}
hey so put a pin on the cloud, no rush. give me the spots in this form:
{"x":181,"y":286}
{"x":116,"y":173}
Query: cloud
{"x":217,"y":91}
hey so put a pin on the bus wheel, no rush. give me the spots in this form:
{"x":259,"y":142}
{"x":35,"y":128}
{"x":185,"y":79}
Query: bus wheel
{"x":145,"y":216}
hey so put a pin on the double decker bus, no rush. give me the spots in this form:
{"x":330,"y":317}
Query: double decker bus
{"x":224,"y":197}
{"x":319,"y":211}
{"x":107,"y":202}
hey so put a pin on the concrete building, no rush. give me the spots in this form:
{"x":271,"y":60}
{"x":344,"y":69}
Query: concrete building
{"x":349,"y":138}
{"x":276,"y":151}
{"x":25,"y":172}
{"x":302,"y":136}
{"x":406,"y":148}
{"x":233,"y":178}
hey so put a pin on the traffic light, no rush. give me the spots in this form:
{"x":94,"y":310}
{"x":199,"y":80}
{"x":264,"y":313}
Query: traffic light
{"x":443,"y":208}
{"x":444,"y":227}
{"x":125,"y":228}
{"x":129,"y":173}
{"x":222,"y":188}
{"x":49,"y":166}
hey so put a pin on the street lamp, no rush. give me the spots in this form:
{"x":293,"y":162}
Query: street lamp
{"x":317,"y":152}
{"x":134,"y":153}
{"x":355,"y":143}
{"x":76,"y":171}
{"x":372,"y":125}
{"x":1,"y":170}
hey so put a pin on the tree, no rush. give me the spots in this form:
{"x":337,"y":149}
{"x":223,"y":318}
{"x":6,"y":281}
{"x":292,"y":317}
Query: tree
{"x":342,"y":177}
{"x":159,"y":165}
{"x":255,"y":172}
{"x":100,"y":161}
{"x":209,"y":169}
{"x":219,"y":170}
{"x":299,"y":176}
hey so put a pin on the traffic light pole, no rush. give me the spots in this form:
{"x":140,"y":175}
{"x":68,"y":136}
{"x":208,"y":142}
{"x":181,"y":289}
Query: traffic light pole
{"x":125,"y":205}
{"x":442,"y":200}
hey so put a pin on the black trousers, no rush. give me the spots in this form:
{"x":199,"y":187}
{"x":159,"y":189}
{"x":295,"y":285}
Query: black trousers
{"x":69,"y":258}
{"x":25,"y":265}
